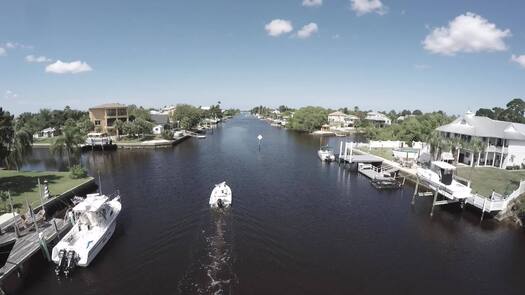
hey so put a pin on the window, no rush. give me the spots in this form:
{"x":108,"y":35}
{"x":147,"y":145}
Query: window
{"x":122,"y":112}
{"x":111,"y":112}
{"x":97,"y":122}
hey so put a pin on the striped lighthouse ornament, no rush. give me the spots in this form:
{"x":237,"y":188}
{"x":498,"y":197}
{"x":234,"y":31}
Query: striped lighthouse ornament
{"x":46,"y":190}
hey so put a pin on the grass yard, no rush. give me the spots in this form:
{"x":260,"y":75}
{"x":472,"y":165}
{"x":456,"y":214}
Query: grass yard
{"x":24,"y":185}
{"x":382,"y":152}
{"x":44,"y":140}
{"x":485,"y":180}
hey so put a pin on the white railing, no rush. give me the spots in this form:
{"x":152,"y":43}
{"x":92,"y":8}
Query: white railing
{"x":496,"y":202}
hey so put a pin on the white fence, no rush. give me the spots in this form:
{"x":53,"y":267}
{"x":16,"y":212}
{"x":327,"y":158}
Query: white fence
{"x":496,"y":202}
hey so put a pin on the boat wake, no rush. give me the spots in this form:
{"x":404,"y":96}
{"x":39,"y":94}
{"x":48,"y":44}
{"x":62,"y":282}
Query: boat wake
{"x":212,"y":270}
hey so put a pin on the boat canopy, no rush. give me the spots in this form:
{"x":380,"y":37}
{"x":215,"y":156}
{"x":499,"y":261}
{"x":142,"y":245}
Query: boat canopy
{"x":444,"y":165}
{"x":92,"y":203}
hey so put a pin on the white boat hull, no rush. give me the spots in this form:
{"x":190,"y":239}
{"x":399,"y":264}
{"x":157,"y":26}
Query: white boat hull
{"x":90,"y":233}
{"x":326,"y":156}
{"x":221,"y":196}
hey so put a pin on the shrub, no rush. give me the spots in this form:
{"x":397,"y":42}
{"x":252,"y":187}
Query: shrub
{"x":77,"y":172}
{"x":167,"y":134}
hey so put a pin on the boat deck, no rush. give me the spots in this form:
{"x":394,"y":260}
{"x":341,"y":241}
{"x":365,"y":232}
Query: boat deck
{"x":28,"y":244}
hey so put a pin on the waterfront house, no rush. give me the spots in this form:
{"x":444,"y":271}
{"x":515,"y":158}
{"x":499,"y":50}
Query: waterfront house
{"x":340,"y":119}
{"x":104,"y":116}
{"x":503,"y":142}
{"x":46,"y":133}
{"x":378,"y":119}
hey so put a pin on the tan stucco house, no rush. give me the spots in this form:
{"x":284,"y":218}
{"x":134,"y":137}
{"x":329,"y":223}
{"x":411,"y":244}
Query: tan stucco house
{"x":105,"y":115}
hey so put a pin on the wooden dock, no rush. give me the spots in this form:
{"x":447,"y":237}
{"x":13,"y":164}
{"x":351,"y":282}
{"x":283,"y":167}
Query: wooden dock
{"x":28,"y":244}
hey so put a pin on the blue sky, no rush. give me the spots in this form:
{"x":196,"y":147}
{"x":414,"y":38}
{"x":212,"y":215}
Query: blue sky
{"x":368,"y":53}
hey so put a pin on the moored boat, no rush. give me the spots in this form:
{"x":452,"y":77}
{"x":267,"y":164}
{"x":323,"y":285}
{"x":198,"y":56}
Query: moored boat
{"x":95,"y":219}
{"x":325,"y":153}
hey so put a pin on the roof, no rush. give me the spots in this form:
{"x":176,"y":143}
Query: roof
{"x":374,"y":116}
{"x":91,"y":203}
{"x":338,"y":113}
{"x":444,"y":165}
{"x":160,"y":118}
{"x":485,"y":127}
{"x":109,"y":105}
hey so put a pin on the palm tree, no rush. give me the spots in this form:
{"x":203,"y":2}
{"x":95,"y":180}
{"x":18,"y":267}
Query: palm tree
{"x":69,"y":143}
{"x":436,"y":141}
{"x":118,"y":126}
{"x":19,"y":148}
{"x":476,"y":145}
{"x":457,"y":143}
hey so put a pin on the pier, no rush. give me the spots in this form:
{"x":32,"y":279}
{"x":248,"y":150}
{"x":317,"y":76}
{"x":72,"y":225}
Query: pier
{"x":27,"y":244}
{"x":346,"y":155}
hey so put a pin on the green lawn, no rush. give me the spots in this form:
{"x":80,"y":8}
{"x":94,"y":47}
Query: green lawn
{"x":124,"y":139}
{"x":44,"y":140}
{"x":485,"y":180}
{"x":382,"y":152}
{"x":24,"y":185}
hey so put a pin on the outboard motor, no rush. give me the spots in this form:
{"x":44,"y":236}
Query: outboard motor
{"x":71,"y":262}
{"x":62,"y":259}
{"x":220,"y":204}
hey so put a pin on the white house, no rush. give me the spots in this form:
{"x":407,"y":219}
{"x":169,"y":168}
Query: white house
{"x":504,"y":142}
{"x":158,"y":129}
{"x":45,"y":133}
{"x":340,"y":119}
{"x":378,"y":119}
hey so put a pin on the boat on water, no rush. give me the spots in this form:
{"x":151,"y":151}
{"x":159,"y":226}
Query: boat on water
{"x":221,"y":196}
{"x":95,"y":219}
{"x":326,"y":153}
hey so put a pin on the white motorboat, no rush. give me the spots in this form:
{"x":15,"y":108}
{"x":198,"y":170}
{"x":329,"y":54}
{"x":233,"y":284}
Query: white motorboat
{"x":221,"y":196}
{"x":440,"y":176}
{"x":95,"y":219}
{"x":325,"y":153}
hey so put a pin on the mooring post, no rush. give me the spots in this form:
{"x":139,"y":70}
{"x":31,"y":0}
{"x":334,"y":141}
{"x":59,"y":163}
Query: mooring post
{"x":17,"y":231}
{"x":434,"y":203}
{"x":415,"y":191}
{"x":483,"y":210}
{"x":55,"y":225}
{"x":43,"y":245}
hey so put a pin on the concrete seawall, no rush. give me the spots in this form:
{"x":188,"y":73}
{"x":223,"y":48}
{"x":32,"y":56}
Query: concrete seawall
{"x":82,"y":188}
{"x":151,"y":145}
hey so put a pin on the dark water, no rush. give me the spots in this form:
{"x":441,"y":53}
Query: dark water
{"x":298,"y":226}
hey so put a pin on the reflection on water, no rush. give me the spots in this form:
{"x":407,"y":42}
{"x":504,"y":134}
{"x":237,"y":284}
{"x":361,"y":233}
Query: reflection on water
{"x":212,"y":269}
{"x":299,"y":226}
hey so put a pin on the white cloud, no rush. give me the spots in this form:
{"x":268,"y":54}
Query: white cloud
{"x":312,"y":3}
{"x":466,"y":33}
{"x":519,"y":59}
{"x":307,"y":30}
{"x":2,"y":51}
{"x":368,"y":6}
{"x":73,"y":67}
{"x":421,"y":67}
{"x":14,"y":45}
{"x":278,"y":27}
{"x":37,"y":59}
{"x":10,"y":94}
{"x":336,"y":36}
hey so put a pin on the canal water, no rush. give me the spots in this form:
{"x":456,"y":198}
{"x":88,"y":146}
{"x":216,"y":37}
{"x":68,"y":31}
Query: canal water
{"x":297,"y":226}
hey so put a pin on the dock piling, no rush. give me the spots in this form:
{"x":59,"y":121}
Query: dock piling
{"x":433,"y":203}
{"x":415,"y":192}
{"x":43,"y":245}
